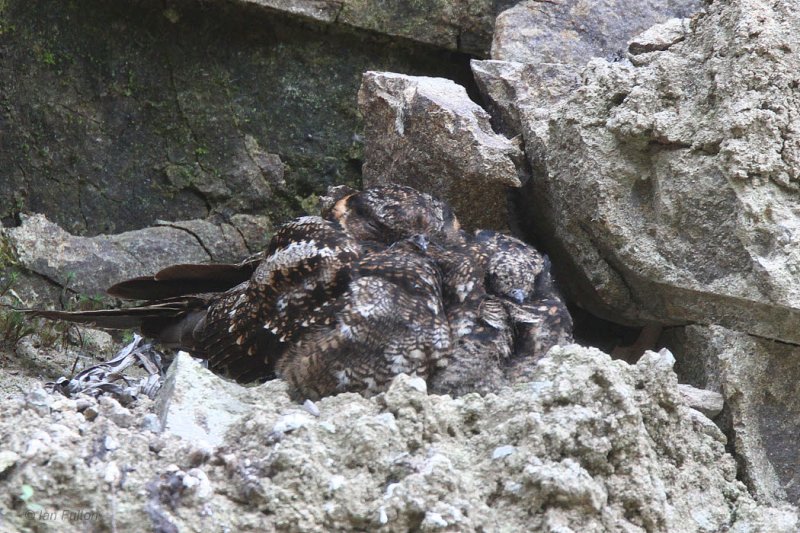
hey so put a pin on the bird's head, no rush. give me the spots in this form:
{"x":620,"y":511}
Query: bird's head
{"x":393,"y":213}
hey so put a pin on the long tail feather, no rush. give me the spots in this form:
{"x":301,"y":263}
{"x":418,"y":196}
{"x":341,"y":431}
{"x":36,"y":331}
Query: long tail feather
{"x":180,"y":280}
{"x":106,"y":318}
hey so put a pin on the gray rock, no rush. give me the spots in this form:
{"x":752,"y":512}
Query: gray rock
{"x":573,"y":31}
{"x":139,"y":111}
{"x":427,"y":133}
{"x":667,"y":191}
{"x":758,"y":379}
{"x":151,"y":423}
{"x":91,"y":264}
{"x":708,"y":402}
{"x":464,"y":25}
{"x":599,"y":445}
{"x":507,"y":86}
{"x":604,"y":446}
{"x":40,"y":400}
{"x":196,"y":405}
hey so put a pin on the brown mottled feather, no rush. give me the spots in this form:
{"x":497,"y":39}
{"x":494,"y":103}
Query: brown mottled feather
{"x":389,"y":320}
{"x":392,"y":213}
{"x":385,"y":283}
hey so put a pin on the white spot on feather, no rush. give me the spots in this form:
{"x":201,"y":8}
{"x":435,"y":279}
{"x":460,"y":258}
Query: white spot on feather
{"x":399,"y":364}
{"x":342,"y":378}
{"x":346,"y":330}
{"x":417,"y":355}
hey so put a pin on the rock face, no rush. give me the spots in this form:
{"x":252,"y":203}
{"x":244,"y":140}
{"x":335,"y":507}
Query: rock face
{"x":758,"y":379}
{"x":590,"y":445}
{"x":118,"y":115}
{"x":508,"y":86}
{"x":464,"y":25}
{"x":90,"y":265}
{"x":667,"y":188}
{"x":540,"y":49}
{"x":427,"y":133}
{"x":572,"y":31}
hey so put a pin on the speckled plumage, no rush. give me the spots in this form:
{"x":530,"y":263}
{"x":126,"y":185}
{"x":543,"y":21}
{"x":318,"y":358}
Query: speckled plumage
{"x":386,"y":282}
{"x":388,"y":214}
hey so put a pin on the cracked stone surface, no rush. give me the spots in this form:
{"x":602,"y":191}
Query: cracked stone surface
{"x":667,"y":187}
{"x":573,"y":31}
{"x":540,"y":49}
{"x":426,"y":132}
{"x":89,"y":265}
{"x":758,"y":380}
{"x":464,"y":25}
{"x":591,"y":445}
{"x":508,"y":86}
{"x":116,"y":115}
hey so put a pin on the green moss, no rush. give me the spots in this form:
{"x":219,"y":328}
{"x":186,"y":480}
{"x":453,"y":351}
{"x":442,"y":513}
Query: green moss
{"x":151,"y":108}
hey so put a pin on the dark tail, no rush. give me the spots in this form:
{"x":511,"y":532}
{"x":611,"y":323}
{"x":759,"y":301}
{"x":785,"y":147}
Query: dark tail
{"x":171,"y":322}
{"x":181,"y":280}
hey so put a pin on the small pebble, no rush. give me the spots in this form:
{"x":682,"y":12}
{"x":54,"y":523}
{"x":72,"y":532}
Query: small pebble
{"x":311,"y":407}
{"x":110,"y":443}
{"x":7,"y":460}
{"x":503,"y":451}
{"x":81,"y":404}
{"x":435,"y":520}
{"x":197,"y":481}
{"x":40,"y":400}
{"x":156,"y":445}
{"x":336,"y":482}
{"x":90,"y":413}
{"x":200,"y":453}
{"x":112,"y":475}
{"x":291,"y":422}
{"x":151,"y":422}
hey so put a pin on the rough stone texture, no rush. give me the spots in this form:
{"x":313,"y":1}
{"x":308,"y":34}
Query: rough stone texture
{"x":660,"y":36}
{"x":89,"y":265}
{"x":667,"y":191}
{"x":197,"y":406}
{"x":758,"y":379}
{"x":592,"y":445}
{"x":507,"y":86}
{"x":708,"y":402}
{"x":118,"y":114}
{"x":573,"y":31}
{"x":540,"y":49}
{"x":427,"y":133}
{"x":464,"y":25}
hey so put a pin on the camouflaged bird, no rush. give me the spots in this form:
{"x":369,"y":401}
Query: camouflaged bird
{"x":387,"y":282}
{"x":504,"y":311}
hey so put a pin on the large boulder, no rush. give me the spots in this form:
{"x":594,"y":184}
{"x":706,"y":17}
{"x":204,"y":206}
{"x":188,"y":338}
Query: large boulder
{"x":508,"y":86}
{"x":540,"y":49}
{"x":427,"y":133}
{"x":89,"y":265}
{"x":666,"y":188}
